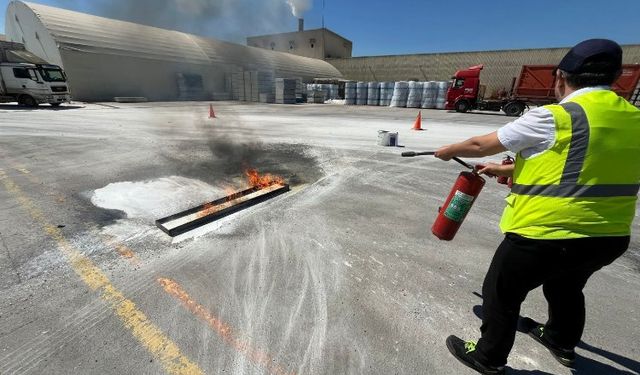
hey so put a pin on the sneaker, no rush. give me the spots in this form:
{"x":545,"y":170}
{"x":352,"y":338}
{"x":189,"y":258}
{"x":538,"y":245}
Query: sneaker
{"x":465,"y":353}
{"x":566,"y":357}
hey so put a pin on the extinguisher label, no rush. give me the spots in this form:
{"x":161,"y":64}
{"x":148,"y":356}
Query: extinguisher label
{"x":458,"y":207}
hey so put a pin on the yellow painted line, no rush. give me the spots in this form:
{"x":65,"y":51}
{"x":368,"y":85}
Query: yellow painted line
{"x":33,"y":178}
{"x":228,"y":335}
{"x":150,"y":336}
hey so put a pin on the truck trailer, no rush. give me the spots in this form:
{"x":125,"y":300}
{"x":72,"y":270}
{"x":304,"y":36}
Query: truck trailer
{"x":29,"y":80}
{"x":534,"y":86}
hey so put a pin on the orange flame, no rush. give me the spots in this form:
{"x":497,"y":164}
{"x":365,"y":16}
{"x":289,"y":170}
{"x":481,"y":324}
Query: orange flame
{"x":208,"y":208}
{"x":255,"y":179}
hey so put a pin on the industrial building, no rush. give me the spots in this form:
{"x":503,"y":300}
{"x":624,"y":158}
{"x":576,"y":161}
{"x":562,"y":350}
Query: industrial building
{"x":318,"y":43}
{"x":106,"y":58}
{"x":500,"y":67}
{"x":2,"y":37}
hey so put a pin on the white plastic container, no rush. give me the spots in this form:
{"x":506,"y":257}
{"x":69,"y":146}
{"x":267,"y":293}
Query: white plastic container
{"x":387,"y":138}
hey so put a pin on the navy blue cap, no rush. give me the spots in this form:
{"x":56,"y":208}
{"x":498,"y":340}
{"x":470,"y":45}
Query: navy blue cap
{"x":592,"y":50}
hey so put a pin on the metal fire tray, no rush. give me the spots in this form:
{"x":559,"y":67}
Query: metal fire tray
{"x":185,"y":221}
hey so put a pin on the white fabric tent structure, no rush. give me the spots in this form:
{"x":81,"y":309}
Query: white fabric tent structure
{"x":105,"y":58}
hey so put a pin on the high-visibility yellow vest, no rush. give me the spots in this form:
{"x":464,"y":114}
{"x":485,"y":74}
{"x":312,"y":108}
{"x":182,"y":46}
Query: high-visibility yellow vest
{"x":586,"y":184}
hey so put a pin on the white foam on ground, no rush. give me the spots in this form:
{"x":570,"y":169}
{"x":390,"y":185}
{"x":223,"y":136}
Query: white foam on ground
{"x":154,"y":199}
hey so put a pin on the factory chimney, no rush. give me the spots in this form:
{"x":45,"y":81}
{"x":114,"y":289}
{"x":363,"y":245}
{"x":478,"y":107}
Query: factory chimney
{"x":300,"y":24}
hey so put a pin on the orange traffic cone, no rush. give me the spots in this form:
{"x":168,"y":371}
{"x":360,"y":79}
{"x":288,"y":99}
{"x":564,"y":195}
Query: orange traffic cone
{"x":418,"y":124}
{"x":212,"y":114}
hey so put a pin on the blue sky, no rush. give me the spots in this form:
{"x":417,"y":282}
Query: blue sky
{"x":379,"y":27}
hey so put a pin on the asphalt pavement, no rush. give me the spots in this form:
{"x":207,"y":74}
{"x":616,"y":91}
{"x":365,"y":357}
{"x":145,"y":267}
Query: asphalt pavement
{"x":341,"y":275}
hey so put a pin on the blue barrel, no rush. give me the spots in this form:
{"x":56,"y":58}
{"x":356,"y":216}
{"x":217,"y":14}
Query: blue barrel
{"x":441,"y":100}
{"x":361,"y":93}
{"x":400,"y":94}
{"x":350,"y":92}
{"x":429,"y":94}
{"x":414,"y":99}
{"x":373,"y":93}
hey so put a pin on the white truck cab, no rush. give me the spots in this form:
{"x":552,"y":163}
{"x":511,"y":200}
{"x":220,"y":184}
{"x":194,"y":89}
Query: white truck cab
{"x":33,"y":84}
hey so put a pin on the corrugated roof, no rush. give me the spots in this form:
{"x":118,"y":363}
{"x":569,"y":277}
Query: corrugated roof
{"x":93,"y":34}
{"x":16,"y":53}
{"x":20,"y":57}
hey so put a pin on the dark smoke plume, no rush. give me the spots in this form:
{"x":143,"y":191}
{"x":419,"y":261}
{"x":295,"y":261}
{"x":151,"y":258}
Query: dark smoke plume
{"x":231,"y":20}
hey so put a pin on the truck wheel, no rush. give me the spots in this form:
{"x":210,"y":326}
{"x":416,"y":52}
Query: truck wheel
{"x":462,"y":106}
{"x":27,"y":101}
{"x":514,"y":108}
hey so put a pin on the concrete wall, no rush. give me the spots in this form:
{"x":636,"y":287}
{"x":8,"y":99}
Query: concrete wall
{"x":317,"y":43}
{"x":155,"y":80}
{"x":500,"y":66}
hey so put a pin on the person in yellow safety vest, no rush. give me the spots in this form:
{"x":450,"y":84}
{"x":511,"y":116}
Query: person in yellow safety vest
{"x":569,"y":212}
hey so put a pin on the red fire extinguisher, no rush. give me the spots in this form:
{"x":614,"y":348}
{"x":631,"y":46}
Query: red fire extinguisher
{"x":464,"y":192}
{"x":450,"y":216}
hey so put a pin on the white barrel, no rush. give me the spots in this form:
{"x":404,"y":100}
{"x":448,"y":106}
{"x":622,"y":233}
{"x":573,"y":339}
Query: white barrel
{"x":429,"y":94}
{"x":350,"y":90}
{"x":441,"y":100}
{"x":386,"y":93}
{"x":414,"y":99}
{"x":361,"y":93}
{"x":373,"y":93}
{"x":400,"y":94}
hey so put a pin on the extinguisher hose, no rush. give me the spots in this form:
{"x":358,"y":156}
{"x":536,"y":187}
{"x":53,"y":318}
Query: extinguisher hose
{"x":464,"y":163}
{"x":410,"y":154}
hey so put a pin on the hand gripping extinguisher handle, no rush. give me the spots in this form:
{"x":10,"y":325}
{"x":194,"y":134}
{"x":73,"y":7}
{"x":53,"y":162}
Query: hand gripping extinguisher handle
{"x":504,"y":180}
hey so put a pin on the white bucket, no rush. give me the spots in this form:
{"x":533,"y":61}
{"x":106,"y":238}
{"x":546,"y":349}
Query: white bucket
{"x":387,"y":138}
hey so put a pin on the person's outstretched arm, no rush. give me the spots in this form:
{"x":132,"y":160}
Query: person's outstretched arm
{"x":479,"y":146}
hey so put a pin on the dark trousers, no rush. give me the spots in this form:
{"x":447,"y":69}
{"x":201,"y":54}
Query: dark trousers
{"x":562,"y":267}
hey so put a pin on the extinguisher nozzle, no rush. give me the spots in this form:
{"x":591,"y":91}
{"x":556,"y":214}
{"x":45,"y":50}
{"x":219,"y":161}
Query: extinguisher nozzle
{"x":413,"y":153}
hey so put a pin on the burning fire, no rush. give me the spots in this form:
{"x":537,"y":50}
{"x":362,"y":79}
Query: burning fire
{"x":255,"y":179}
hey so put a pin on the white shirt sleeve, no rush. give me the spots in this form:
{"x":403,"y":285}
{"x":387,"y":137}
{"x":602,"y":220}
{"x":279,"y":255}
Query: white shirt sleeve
{"x":531,"y":134}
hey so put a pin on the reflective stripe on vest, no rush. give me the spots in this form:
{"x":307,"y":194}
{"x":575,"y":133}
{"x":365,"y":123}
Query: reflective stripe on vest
{"x":569,"y":187}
